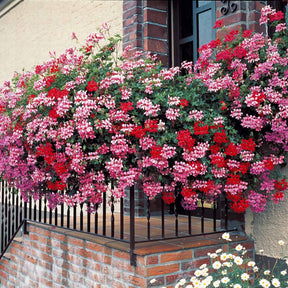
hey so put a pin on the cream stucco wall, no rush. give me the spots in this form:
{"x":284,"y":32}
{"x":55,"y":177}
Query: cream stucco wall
{"x":34,"y":27}
{"x":270,"y":226}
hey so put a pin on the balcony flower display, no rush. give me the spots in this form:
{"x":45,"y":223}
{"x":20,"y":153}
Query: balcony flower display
{"x":89,"y":120}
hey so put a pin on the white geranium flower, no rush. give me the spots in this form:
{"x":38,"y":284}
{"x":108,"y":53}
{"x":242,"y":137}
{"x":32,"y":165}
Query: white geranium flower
{"x":237,"y":286}
{"x":216,"y":283}
{"x":226,"y":236}
{"x":203,"y":266}
{"x":153,"y":281}
{"x":198,"y":273}
{"x":218,"y":251}
{"x":267,"y":272}
{"x":275,"y":282}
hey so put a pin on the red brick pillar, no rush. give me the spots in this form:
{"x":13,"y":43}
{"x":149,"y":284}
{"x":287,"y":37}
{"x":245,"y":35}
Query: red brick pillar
{"x":145,"y":26}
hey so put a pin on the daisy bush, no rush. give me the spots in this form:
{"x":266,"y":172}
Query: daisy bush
{"x":88,"y":121}
{"x":233,"y":268}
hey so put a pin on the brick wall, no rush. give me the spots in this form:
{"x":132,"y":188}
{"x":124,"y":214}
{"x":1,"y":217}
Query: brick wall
{"x":145,"y":26}
{"x":55,"y":257}
{"x":34,"y":27}
{"x":245,"y":16}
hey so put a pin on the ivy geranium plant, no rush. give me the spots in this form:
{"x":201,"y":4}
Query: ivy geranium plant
{"x":90,"y":120}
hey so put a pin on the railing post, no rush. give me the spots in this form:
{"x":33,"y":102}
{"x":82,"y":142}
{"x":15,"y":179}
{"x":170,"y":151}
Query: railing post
{"x":132,"y":227}
{"x":25,"y":231}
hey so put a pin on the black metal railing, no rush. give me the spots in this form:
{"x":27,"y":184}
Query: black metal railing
{"x":113,"y":219}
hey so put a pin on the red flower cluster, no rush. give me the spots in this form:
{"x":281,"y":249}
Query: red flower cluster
{"x":92,"y":86}
{"x":151,"y":125}
{"x":248,"y":145}
{"x":200,"y":130}
{"x":277,"y":16}
{"x":58,"y":185}
{"x":185,"y":139}
{"x":126,"y":106}
{"x":220,"y":137}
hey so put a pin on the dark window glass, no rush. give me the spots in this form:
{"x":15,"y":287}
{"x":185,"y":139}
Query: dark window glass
{"x":185,"y":16}
{"x":186,"y":51}
{"x":191,"y":26}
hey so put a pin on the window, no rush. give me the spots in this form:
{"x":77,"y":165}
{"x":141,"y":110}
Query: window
{"x":3,"y":3}
{"x":191,"y":26}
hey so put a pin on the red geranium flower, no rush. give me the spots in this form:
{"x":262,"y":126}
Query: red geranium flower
{"x":248,"y":144}
{"x":92,"y":86}
{"x":218,"y":24}
{"x":156,"y":152}
{"x":200,"y":130}
{"x":127,"y":106}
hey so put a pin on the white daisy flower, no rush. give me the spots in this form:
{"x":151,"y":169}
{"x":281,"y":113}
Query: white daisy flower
{"x":225,"y":280}
{"x":226,"y":236}
{"x":216,"y":265}
{"x":198,"y":273}
{"x":239,"y":247}
{"x":224,"y":257}
{"x":267,"y":272}
{"x":213,"y":255}
{"x":182,"y":281}
{"x":255,"y":269}
{"x":284,"y":272}
{"x":251,"y":264}
{"x":281,"y":242}
{"x":245,"y":277}
{"x":238,"y":261}
{"x":237,"y":286}
{"x":216,"y":283}
{"x":264,"y":283}
{"x":275,"y":282}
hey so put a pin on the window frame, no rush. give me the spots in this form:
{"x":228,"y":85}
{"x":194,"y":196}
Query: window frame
{"x":176,"y":41}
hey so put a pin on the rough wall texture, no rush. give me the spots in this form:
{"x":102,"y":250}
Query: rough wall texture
{"x":58,"y":258}
{"x":245,"y":16}
{"x":34,"y":27}
{"x":269,"y":227}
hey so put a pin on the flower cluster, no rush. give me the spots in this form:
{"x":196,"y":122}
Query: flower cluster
{"x":247,"y":73}
{"x":88,"y":121}
{"x":234,"y":268}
